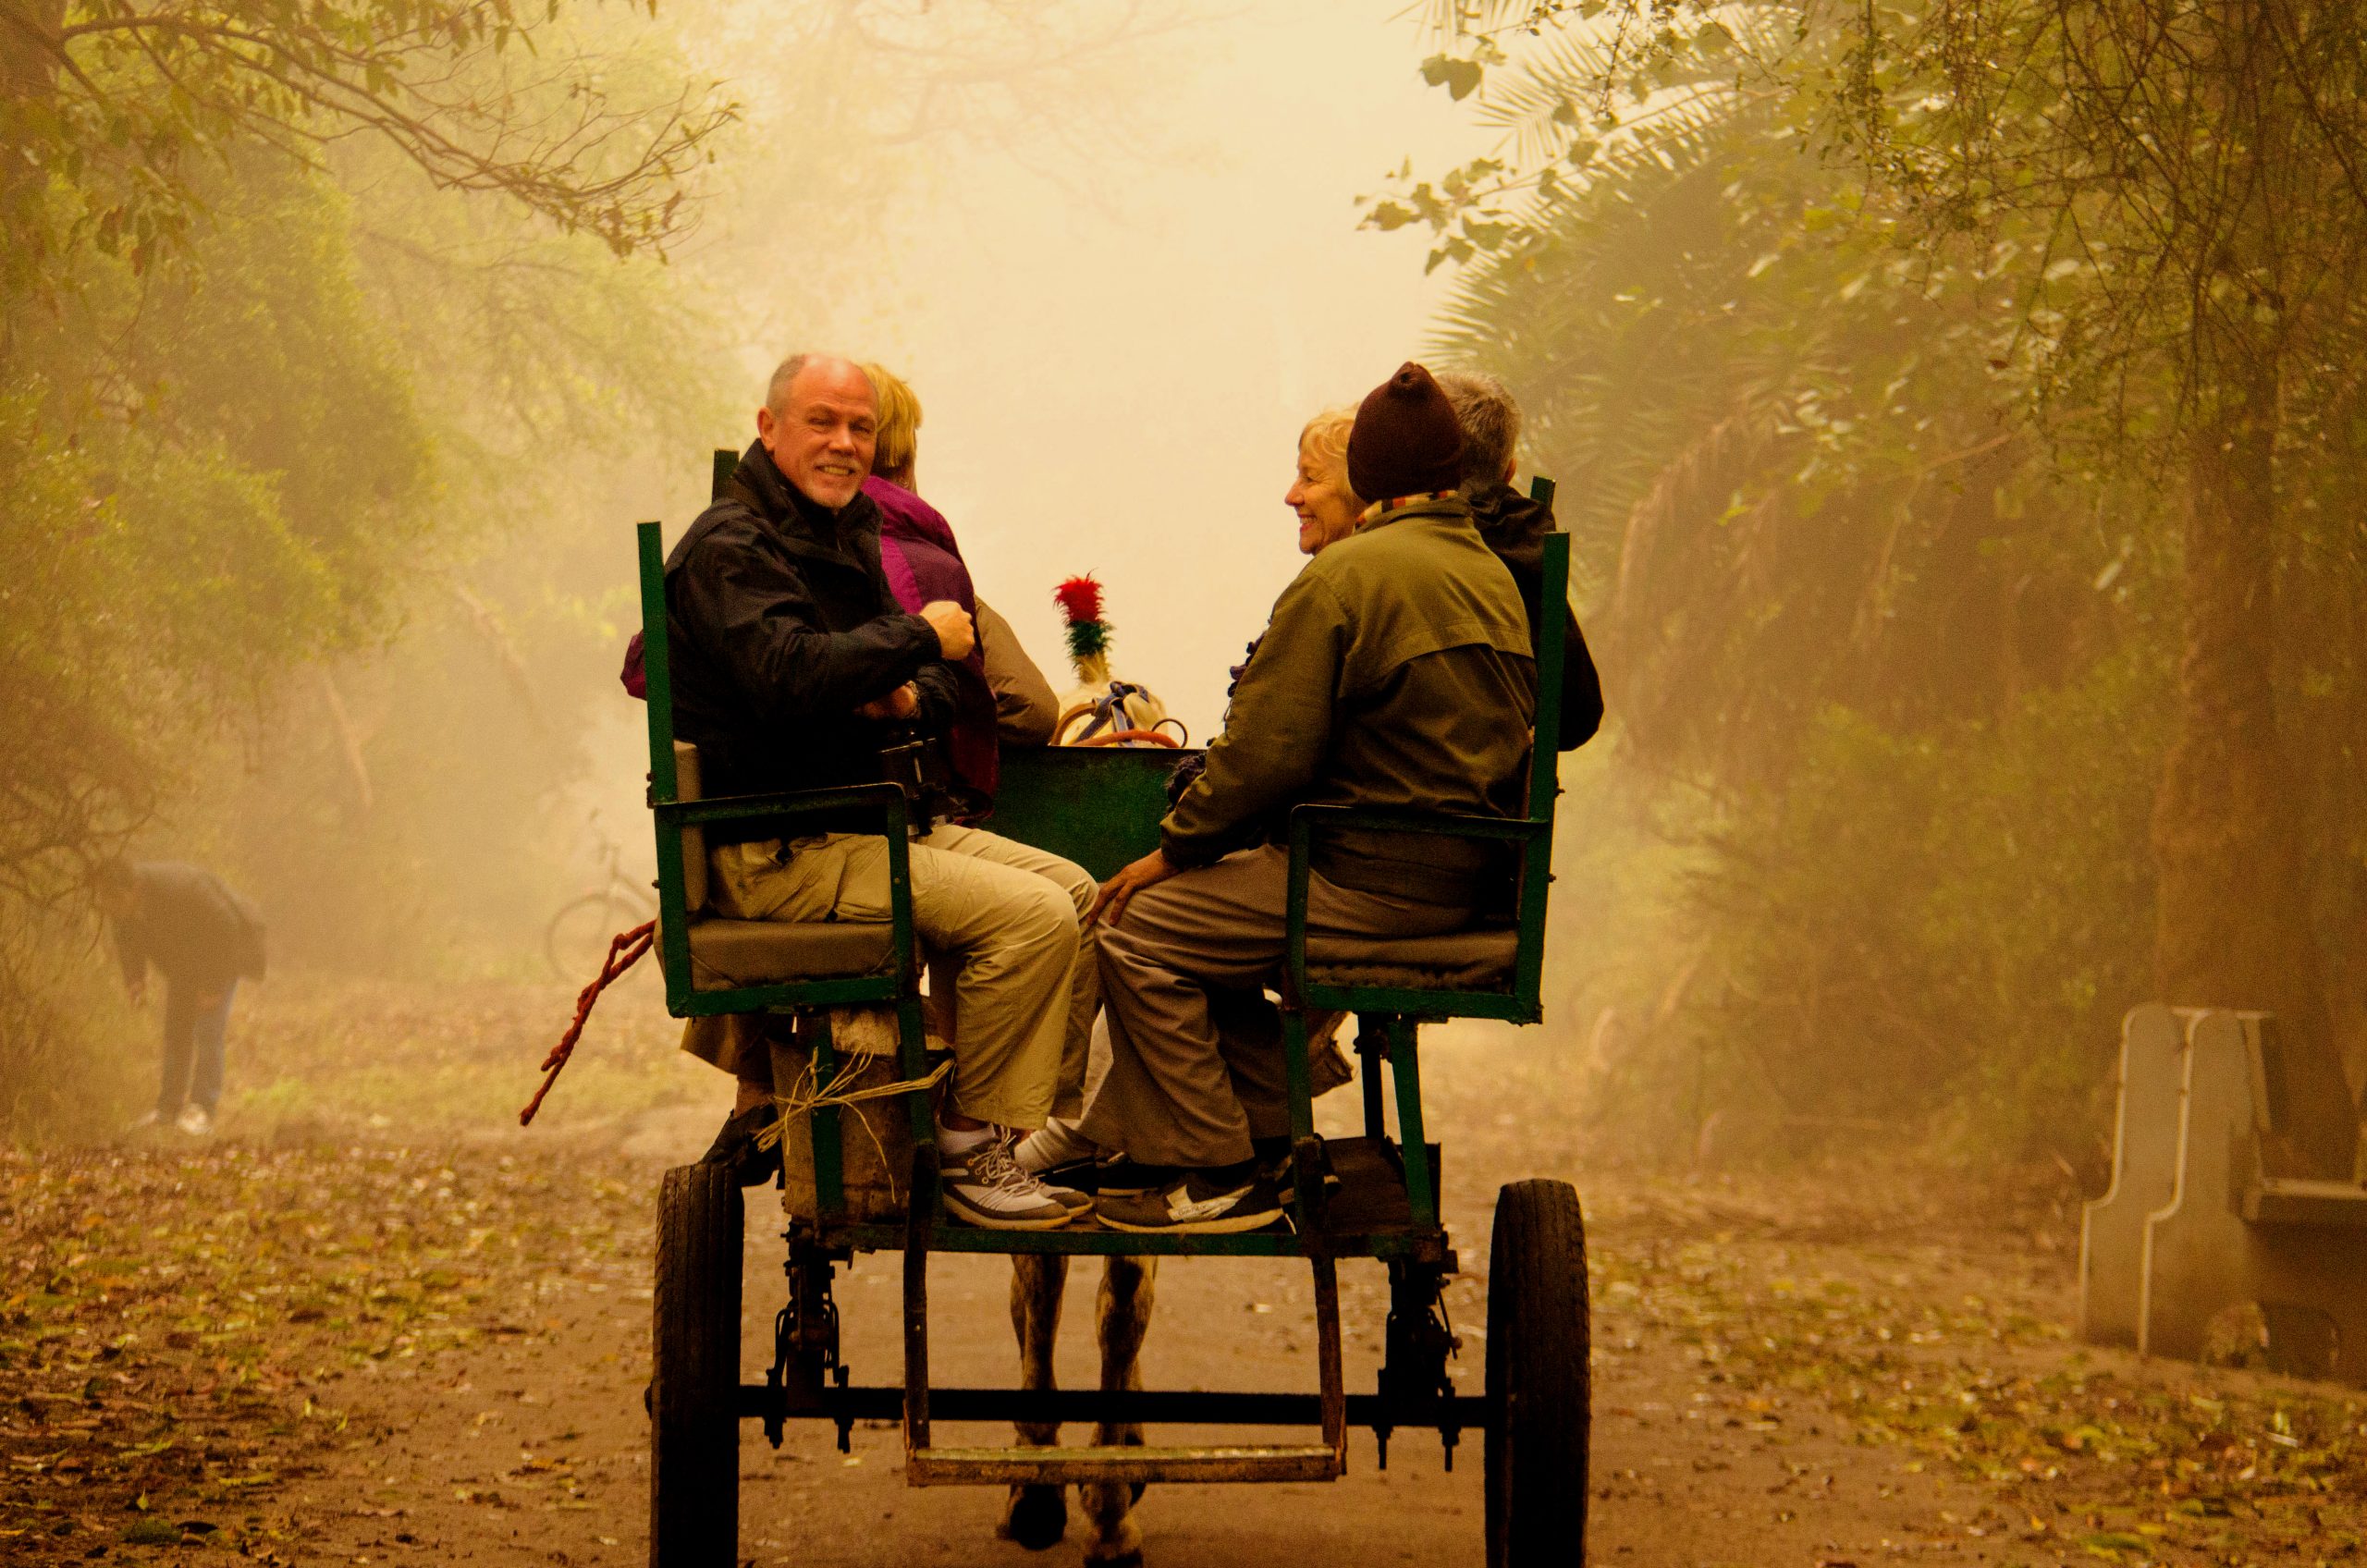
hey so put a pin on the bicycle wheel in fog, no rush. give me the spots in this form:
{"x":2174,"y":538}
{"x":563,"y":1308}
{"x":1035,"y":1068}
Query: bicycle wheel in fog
{"x":576,"y":941}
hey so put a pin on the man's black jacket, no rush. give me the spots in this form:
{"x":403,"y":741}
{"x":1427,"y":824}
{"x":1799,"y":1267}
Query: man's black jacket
{"x":189,"y":924}
{"x":1516,"y":527}
{"x":780,"y":624}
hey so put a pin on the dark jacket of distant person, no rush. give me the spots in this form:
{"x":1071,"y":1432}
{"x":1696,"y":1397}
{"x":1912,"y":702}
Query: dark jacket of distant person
{"x":781,"y":623}
{"x":197,"y":931}
{"x":1515,"y":527}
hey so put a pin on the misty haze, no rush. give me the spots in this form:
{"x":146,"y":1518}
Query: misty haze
{"x":863,"y":781}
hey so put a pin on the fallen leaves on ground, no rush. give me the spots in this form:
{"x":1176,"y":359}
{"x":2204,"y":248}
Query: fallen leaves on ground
{"x":184,"y":1330}
{"x":2086,"y":1453}
{"x":189,"y":1331}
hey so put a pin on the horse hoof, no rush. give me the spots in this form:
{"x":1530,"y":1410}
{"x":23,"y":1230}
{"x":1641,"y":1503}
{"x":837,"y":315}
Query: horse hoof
{"x":1038,"y":1517}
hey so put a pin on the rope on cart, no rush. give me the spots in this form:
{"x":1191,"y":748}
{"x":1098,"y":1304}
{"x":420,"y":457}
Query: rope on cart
{"x":808,"y":1096}
{"x":624,"y":951}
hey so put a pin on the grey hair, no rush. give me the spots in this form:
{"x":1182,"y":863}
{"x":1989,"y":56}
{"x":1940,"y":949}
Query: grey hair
{"x":777,"y":389}
{"x":1490,"y":422}
{"x":1327,"y":436}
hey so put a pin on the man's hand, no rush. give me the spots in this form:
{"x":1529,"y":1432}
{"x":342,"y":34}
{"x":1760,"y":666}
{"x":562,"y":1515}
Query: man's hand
{"x":1153,"y":868}
{"x":901,"y":703}
{"x":955,"y":635}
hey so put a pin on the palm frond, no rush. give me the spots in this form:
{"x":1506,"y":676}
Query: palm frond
{"x":1661,"y":367}
{"x":1581,"y":83}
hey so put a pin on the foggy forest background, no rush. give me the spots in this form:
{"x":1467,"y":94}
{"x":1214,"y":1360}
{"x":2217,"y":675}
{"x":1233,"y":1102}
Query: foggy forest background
{"x":1956,"y":408}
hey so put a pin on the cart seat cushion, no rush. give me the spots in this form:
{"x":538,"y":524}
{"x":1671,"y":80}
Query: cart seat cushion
{"x":686,"y":787}
{"x":1478,"y":960}
{"x":725,"y":953}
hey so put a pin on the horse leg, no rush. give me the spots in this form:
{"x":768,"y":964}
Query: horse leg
{"x":1036,"y":1516}
{"x":1122,"y":1317}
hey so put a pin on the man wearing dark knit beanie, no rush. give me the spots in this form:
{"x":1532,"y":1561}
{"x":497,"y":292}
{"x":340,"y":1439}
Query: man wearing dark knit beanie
{"x":1407,"y":440}
{"x":1396,"y":673}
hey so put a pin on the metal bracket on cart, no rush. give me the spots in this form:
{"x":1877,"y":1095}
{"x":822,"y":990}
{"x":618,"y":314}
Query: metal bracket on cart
{"x":805,"y":1339}
{"x":1419,"y":1340}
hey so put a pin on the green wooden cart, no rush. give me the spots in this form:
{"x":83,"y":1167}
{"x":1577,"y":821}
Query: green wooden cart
{"x":1100,"y":807}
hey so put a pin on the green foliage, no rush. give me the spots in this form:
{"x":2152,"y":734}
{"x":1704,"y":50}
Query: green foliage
{"x":1892,"y":672}
{"x":2187,"y":180}
{"x":2147,"y":205}
{"x":1798,"y":488}
{"x":271,"y":450}
{"x":1924,"y":939}
{"x":1460,"y":78}
{"x":173,"y":546}
{"x":119,"y":115}
{"x":1941,"y":930}
{"x":416,"y":797}
{"x":61,"y":1011}
{"x":188,"y":514}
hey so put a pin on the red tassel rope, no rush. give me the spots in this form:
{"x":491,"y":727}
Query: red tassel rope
{"x":624,"y":951}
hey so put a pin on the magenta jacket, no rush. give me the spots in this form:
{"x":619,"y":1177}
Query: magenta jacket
{"x":923,"y":564}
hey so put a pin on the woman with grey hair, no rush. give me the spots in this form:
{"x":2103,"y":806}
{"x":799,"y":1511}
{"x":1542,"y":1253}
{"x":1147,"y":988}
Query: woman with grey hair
{"x":1326,"y":505}
{"x":1328,"y":510}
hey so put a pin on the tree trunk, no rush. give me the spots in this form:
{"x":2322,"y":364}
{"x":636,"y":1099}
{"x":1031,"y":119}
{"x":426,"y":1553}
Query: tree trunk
{"x":2233,"y":924}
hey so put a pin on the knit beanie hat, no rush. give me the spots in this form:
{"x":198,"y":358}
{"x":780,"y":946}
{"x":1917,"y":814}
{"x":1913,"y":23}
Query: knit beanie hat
{"x":1407,"y":440}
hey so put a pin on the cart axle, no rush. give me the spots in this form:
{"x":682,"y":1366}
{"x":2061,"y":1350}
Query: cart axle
{"x":1124,"y":1465}
{"x":1121,"y":1407}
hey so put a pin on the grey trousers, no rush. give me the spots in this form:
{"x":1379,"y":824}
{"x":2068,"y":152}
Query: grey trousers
{"x":1005,"y":917}
{"x":1196,"y":1053}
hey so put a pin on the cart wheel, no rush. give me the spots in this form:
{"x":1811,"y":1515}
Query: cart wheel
{"x":1537,"y":1378}
{"x":694,"y":1382}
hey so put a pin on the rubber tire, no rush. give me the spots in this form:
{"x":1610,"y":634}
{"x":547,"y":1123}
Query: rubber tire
{"x":1537,"y":1388}
{"x":695,"y":1372}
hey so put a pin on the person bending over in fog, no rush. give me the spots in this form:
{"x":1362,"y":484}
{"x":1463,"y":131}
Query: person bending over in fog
{"x":204,"y":939}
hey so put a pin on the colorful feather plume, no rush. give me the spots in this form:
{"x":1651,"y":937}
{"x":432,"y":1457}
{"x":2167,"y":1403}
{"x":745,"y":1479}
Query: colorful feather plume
{"x":1088,"y":634}
{"x":1080,"y":598}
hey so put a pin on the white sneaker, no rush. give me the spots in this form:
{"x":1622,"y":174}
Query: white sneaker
{"x":1076,"y":1203}
{"x":194,"y":1120}
{"x":985,"y":1186}
{"x":1055,"y":1145}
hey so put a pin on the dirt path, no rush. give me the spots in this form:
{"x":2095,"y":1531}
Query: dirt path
{"x":315,"y":1350}
{"x":536,"y":1453}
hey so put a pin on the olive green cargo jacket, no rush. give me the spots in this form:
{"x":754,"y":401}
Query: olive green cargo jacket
{"x":1396,"y":673}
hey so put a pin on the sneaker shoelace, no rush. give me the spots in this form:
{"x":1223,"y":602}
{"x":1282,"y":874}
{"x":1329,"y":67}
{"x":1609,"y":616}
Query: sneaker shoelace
{"x":991,"y":1166}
